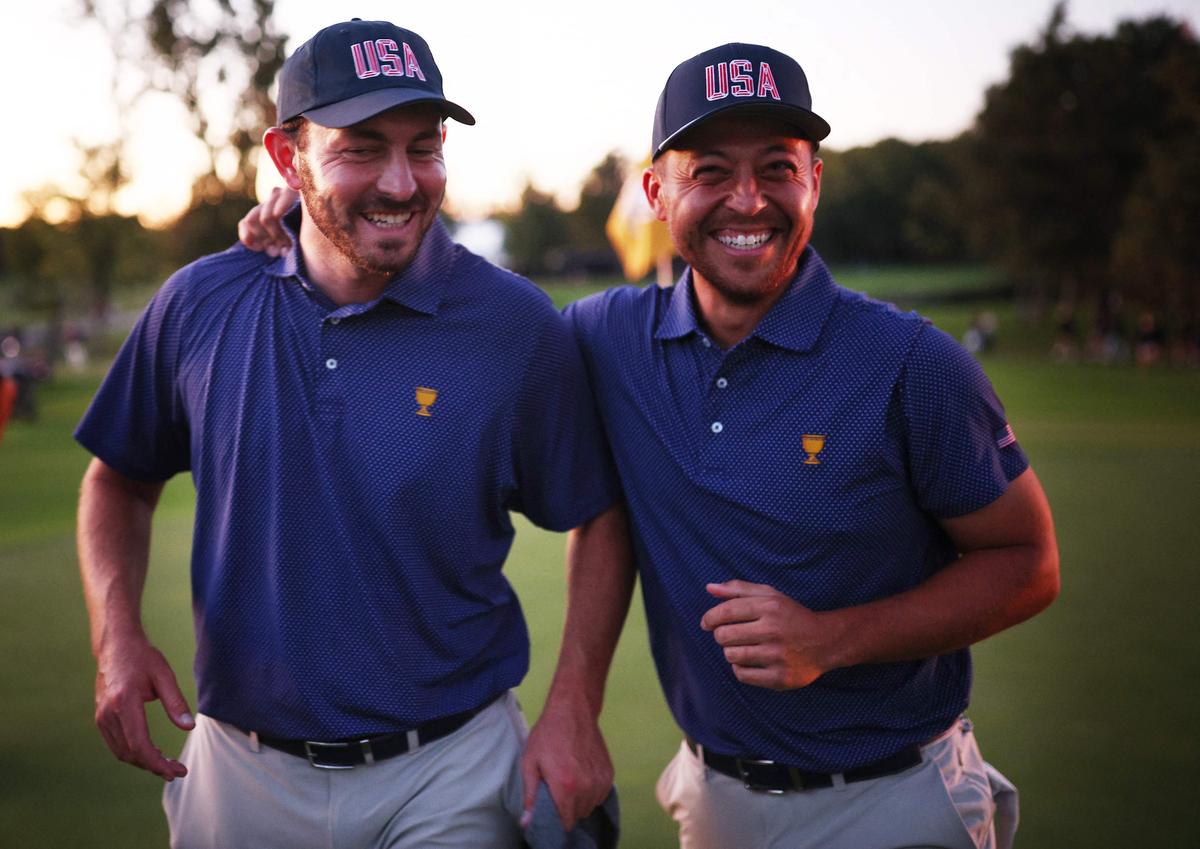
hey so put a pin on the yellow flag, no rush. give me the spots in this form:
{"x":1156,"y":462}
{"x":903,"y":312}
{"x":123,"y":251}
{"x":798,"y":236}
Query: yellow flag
{"x":640,"y":240}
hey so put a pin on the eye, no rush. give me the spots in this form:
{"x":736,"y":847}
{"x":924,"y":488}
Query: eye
{"x":707,"y":172}
{"x":782,"y":167}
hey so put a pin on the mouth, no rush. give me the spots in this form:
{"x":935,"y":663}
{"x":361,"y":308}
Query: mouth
{"x":388,"y":220}
{"x":744,"y":241}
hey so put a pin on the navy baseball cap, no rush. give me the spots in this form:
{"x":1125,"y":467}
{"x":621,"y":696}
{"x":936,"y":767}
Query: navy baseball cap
{"x":747,"y":77}
{"x":351,"y":71}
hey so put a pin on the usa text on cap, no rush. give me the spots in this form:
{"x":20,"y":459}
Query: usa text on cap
{"x":352,"y":71}
{"x":746,"y":77}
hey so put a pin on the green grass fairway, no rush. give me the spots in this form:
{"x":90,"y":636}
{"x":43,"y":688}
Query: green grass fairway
{"x":1090,"y":708}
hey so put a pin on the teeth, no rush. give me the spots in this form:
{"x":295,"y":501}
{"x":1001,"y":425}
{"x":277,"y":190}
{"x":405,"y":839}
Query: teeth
{"x":744,"y":242}
{"x":384,"y":220}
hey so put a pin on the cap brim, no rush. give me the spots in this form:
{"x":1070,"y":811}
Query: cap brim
{"x":812,"y":126}
{"x":351,"y":111}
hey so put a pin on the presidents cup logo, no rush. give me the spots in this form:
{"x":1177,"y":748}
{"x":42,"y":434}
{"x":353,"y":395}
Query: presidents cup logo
{"x":426,"y":398}
{"x":814,"y":444}
{"x":737,"y":78}
{"x":382,"y":56}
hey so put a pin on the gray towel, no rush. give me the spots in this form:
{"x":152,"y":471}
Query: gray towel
{"x":598,"y":830}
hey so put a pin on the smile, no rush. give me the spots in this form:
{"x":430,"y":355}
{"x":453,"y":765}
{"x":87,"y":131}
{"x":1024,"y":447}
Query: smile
{"x":745,"y":241}
{"x":395,"y":219}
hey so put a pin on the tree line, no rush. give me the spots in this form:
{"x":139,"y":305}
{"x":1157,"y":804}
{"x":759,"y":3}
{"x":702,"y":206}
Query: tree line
{"x":1080,"y":176}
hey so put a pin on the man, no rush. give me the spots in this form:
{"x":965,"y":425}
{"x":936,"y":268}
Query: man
{"x":849,"y":509}
{"x":826,"y":505}
{"x":359,"y":416}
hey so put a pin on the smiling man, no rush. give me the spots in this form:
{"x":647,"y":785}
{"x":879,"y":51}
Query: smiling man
{"x":359,"y":415}
{"x":827,"y":505}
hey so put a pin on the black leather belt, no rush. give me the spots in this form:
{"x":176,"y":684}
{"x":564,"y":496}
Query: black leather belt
{"x":349,"y":753}
{"x":773,"y":777}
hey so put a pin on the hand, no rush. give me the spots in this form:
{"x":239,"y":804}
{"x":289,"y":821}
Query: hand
{"x":126,"y":679}
{"x":770,"y":639}
{"x":260,"y":229}
{"x":567,"y":751}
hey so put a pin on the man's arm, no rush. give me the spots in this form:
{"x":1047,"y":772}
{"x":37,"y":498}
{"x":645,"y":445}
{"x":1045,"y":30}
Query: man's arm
{"x":1007,"y":572}
{"x":566,"y":749}
{"x":114,"y":550}
{"x":260,"y":229}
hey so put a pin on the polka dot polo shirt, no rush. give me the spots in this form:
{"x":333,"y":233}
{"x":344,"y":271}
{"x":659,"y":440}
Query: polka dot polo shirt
{"x":354,"y":468}
{"x":815,"y":456}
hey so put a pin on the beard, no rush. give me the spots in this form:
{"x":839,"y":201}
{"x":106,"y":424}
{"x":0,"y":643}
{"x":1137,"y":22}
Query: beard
{"x":338,"y":225}
{"x":746,"y":283}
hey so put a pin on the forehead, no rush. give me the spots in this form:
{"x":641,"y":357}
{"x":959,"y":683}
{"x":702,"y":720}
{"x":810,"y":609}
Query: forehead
{"x":741,"y":132}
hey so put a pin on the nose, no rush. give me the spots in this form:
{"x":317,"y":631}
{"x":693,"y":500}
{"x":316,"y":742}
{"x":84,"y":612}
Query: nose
{"x":396,"y":180}
{"x":745,"y":196}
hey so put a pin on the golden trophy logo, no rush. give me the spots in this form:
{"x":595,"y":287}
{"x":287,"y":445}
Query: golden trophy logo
{"x":425,"y":398}
{"x":814,"y":444}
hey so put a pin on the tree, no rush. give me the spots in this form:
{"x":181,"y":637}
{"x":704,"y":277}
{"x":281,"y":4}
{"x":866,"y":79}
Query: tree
{"x":536,"y":234}
{"x":596,"y":199}
{"x":219,"y":59}
{"x":892,"y":202}
{"x":1156,"y":256}
{"x":1070,"y":149}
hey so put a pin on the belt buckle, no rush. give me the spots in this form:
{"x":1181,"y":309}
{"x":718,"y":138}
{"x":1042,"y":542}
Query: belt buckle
{"x":749,"y":783}
{"x":311,"y":748}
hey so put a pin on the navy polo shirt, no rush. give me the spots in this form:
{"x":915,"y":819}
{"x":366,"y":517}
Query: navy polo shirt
{"x":815,"y":456}
{"x":354,"y":469}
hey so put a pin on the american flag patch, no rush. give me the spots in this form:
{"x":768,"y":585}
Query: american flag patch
{"x":1005,"y":437}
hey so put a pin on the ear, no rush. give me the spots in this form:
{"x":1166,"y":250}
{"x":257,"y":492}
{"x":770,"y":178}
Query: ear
{"x":653,"y":187}
{"x":285,"y":156}
{"x":817,"y":167}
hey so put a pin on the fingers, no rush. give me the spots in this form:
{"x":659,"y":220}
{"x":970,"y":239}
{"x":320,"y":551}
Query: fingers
{"x":768,"y":678}
{"x":250,"y":231}
{"x":568,"y":753}
{"x":124,"y":729}
{"x":564,"y":790}
{"x":261,"y":229}
{"x":735,"y":610}
{"x":271,"y":219}
{"x":126,"y":680}
{"x":531,"y":775}
{"x":172,"y":698}
{"x":740,"y":589}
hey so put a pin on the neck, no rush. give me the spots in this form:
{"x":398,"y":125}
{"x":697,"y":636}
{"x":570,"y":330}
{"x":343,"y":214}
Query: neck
{"x":330,"y":271}
{"x":730,"y":321}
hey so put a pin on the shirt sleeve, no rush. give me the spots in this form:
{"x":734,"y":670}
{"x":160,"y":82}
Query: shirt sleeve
{"x":962,"y":451}
{"x":564,"y":469}
{"x":136,"y":423}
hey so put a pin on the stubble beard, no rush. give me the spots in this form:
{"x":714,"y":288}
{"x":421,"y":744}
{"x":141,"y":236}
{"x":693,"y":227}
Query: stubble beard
{"x":737,"y":291}
{"x":337,"y":226}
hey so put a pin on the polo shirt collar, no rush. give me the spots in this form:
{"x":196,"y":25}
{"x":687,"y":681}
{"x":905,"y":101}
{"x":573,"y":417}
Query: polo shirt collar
{"x":796,"y":319}
{"x":679,"y":320}
{"x":419,"y":287}
{"x":793,"y":322}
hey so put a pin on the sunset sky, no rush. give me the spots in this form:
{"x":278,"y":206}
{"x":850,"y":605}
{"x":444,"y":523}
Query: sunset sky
{"x":554,"y":85}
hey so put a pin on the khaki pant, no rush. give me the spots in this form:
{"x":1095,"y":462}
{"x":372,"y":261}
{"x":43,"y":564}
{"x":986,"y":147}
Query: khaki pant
{"x":953,"y":799}
{"x":461,"y":791}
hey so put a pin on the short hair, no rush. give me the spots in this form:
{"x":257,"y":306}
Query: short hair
{"x":296,"y":131}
